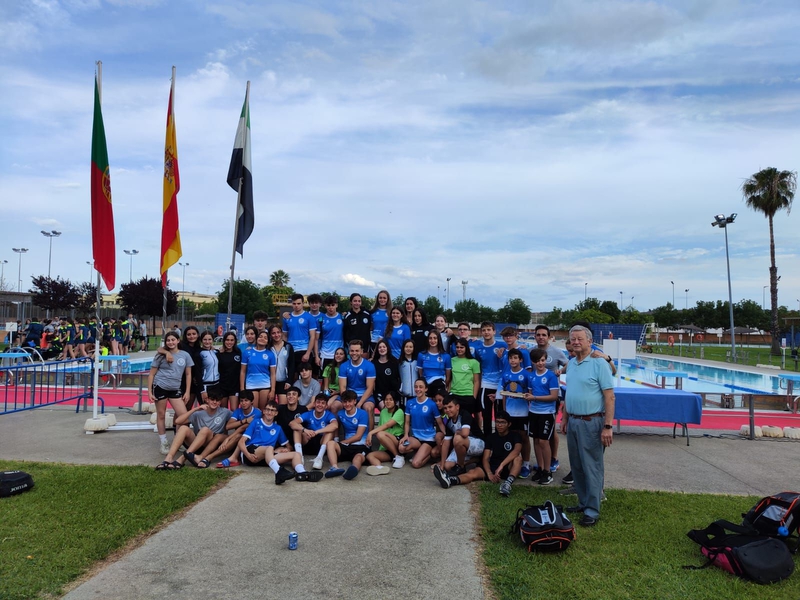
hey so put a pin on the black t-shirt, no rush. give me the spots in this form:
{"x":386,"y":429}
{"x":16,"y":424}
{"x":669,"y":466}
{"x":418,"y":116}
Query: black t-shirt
{"x":230,"y":368}
{"x":501,"y":446}
{"x":357,"y":326}
{"x":286,"y":416}
{"x":419,"y":335}
{"x":464,"y":419}
{"x":387,"y":377}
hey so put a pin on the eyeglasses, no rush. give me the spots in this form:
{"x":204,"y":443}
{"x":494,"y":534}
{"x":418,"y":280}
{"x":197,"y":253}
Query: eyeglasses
{"x":463,"y":329}
{"x":270,"y":409}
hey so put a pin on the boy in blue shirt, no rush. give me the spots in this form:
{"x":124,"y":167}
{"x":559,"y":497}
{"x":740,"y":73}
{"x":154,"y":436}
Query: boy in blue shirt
{"x":358,"y":374}
{"x":542,"y":409}
{"x":265,"y":443}
{"x":516,"y":380}
{"x":300,"y":330}
{"x":240,"y":419}
{"x":314,"y":429}
{"x":489,"y":353}
{"x":353,"y":446}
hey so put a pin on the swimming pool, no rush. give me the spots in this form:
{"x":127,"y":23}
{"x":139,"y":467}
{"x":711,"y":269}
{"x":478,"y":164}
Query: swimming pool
{"x":701,"y":378}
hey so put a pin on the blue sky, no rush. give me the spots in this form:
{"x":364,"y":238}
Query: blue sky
{"x":528,"y":148}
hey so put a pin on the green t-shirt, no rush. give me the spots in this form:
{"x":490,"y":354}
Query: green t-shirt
{"x":398,"y":417}
{"x":332,"y":373}
{"x":464,"y":370}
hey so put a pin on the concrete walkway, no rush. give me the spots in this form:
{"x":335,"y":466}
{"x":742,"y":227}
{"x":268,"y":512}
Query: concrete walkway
{"x":398,"y":536}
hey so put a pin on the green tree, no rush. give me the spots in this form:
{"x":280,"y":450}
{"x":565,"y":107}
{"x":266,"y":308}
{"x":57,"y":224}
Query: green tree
{"x":592,"y":315}
{"x":247,"y":298}
{"x":554,"y":318}
{"x":665,"y":316}
{"x":87,"y":298}
{"x":208,"y":308}
{"x":631,"y":316}
{"x":467,"y":310}
{"x":279,"y":278}
{"x":146,"y":297}
{"x":53,"y":294}
{"x":515,"y":311}
{"x":400,"y":301}
{"x":611,"y":308}
{"x":749,"y":313}
{"x":767,"y":192}
{"x":486,"y":313}
{"x":271,"y":294}
{"x":432,"y":307}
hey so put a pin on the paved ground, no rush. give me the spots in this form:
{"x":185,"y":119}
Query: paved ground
{"x":353,"y":535}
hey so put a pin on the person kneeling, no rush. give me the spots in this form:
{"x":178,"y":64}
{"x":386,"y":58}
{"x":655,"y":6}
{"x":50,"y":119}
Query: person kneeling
{"x":462,"y":440}
{"x":354,"y":445}
{"x":209,"y":425}
{"x":265,"y":443}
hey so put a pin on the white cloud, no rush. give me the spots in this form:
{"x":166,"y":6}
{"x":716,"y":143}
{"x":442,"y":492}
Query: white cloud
{"x":351,"y":278}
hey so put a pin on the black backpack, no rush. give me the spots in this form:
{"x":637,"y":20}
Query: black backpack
{"x":777,"y":516}
{"x":544,"y":527}
{"x":14,"y":482}
{"x":742,"y":551}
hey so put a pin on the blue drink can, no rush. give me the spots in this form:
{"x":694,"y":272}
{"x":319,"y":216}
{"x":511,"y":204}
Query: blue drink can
{"x":293,"y":540}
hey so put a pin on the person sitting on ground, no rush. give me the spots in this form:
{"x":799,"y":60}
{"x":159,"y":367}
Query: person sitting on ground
{"x":209,"y":423}
{"x":462,"y":440}
{"x":313,"y":430}
{"x":264,"y":443}
{"x":422,"y":421}
{"x":354,"y":445}
{"x":388,"y":433}
{"x":502,"y":459}
{"x":287,"y":412}
{"x":307,"y":385}
{"x":244,"y":414}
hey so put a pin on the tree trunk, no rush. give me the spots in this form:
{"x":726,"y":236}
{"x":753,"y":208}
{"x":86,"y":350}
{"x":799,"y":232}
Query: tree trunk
{"x":773,"y":294}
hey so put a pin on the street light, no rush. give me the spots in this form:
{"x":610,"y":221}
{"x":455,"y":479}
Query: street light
{"x":673,"y":294}
{"x":620,"y":300}
{"x":585,"y":287}
{"x":91,"y":270}
{"x":19,"y":251}
{"x":448,"y":294}
{"x":131,"y":253}
{"x":686,"y":306}
{"x":183,"y":294}
{"x":3,"y":264}
{"x":50,"y":235}
{"x":631,"y":303}
{"x":722,"y":222}
{"x":763,"y":296}
{"x":464,"y":287}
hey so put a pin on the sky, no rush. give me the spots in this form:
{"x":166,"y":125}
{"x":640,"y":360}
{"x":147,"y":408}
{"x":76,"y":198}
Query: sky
{"x":546,"y":150}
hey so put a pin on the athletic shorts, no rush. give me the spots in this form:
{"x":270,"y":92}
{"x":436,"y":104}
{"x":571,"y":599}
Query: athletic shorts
{"x":431,"y":443}
{"x":493,"y":466}
{"x":348,"y":452}
{"x":312,"y":447}
{"x":476,"y":447}
{"x":519,"y":423}
{"x":541,"y":427}
{"x":281,"y":387}
{"x":251,"y":448}
{"x":213,"y":385}
{"x":483,"y":397}
{"x":162,"y":394}
{"x":468,"y":403}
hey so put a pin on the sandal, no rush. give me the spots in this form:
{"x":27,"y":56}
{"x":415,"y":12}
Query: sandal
{"x":224,"y":464}
{"x":203,"y":464}
{"x":163,"y":466}
{"x":190,"y":457}
{"x":174,"y":466}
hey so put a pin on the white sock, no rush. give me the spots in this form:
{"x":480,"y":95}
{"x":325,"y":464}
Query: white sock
{"x":527,"y":463}
{"x":323,"y":448}
{"x":162,"y":437}
{"x":300,"y":469}
{"x":299,"y":449}
{"x":273,"y":464}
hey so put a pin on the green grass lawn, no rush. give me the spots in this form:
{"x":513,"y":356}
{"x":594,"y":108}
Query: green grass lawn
{"x":77,"y":515}
{"x":636,"y":551}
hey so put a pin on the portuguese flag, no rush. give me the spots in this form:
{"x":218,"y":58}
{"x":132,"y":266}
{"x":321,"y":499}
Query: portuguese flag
{"x":103,"y":248}
{"x":171,"y":250}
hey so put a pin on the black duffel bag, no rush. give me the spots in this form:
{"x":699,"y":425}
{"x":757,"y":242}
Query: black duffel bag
{"x":14,"y":482}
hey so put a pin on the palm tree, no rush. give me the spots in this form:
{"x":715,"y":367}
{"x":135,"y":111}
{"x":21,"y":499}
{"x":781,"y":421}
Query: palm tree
{"x":279,"y":278}
{"x":769,"y":191}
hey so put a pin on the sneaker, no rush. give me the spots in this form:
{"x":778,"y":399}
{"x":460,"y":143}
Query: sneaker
{"x":351,"y":473}
{"x":568,"y":479}
{"x":440,"y":475}
{"x":317,"y":464}
{"x":457,"y":470}
{"x":334,"y":472}
{"x":603,"y":497}
{"x":525,"y":472}
{"x":545,"y":479}
{"x":568,"y":491}
{"x":398,"y":462}
{"x":554,"y":464}
{"x":377,"y":470}
{"x":505,"y":489}
{"x":536,"y":475}
{"x":164,"y":447}
{"x":282,"y":475}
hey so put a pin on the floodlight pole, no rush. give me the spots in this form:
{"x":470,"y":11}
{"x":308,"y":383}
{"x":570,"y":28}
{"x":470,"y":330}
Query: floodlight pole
{"x":722,"y":222}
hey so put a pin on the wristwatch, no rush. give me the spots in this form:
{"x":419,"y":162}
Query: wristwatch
{"x":608,"y":426}
{"x":609,"y":359}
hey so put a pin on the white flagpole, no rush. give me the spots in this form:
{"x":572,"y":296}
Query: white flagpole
{"x":98,"y":335}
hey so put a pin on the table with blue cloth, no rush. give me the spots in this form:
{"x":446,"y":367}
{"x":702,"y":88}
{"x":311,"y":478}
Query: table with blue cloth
{"x":659,"y":405}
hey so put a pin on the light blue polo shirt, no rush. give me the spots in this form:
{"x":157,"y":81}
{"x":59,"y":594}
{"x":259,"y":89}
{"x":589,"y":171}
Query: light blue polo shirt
{"x":586,"y":381}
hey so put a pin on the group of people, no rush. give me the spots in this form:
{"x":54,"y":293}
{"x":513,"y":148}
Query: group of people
{"x":313,"y":384}
{"x":65,"y":338}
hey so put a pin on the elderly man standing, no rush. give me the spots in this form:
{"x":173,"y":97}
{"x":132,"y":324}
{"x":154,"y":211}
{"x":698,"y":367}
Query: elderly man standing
{"x":588,"y":417}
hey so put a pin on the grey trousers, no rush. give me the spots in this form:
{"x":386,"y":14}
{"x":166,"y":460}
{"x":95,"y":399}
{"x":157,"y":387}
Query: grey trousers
{"x":586,"y":459}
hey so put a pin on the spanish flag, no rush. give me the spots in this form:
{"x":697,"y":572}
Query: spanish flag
{"x":103,"y":247}
{"x":170,"y":231}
